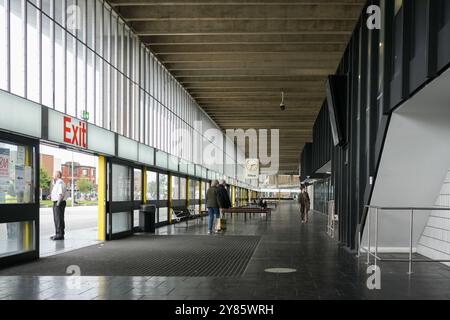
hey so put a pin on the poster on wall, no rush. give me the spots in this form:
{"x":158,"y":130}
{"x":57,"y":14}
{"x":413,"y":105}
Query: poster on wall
{"x":12,"y":164}
{"x":20,"y":156}
{"x":4,"y":173}
{"x":28,"y":184}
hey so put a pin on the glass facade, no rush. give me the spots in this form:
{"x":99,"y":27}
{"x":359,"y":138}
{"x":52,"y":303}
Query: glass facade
{"x":94,"y":63}
{"x":121,"y":188}
{"x":183,"y":188}
{"x":16,"y":238}
{"x":137,"y":185}
{"x":163,"y":187}
{"x":152,"y":186}
{"x":16,"y":174}
{"x":175,"y":188}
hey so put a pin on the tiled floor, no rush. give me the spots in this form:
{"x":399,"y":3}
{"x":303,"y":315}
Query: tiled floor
{"x":324,"y":271}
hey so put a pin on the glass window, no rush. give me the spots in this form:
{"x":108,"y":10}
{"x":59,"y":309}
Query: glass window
{"x":106,"y":95}
{"x":137,"y":184}
{"x":60,"y":11}
{"x":98,"y":32}
{"x":3,"y":47}
{"x":197,"y":189}
{"x":106,"y":34}
{"x":191,"y":189}
{"x":136,"y":218}
{"x":120,"y":46}
{"x":90,"y":85}
{"x":81,"y":80}
{"x":98,"y":91}
{"x":60,"y":78}
{"x":16,"y":238}
{"x":17,"y":47}
{"x":163,"y":187}
{"x":113,"y":102}
{"x":175,"y":188}
{"x":152,"y":186}
{"x":47,"y":62}
{"x":113,"y":39}
{"x":16,"y":174}
{"x":33,"y":59}
{"x":121,"y":183}
{"x":121,"y":222}
{"x":71,"y":75}
{"x":162,"y":215}
{"x":47,"y":7}
{"x":182,"y":188}
{"x":81,"y":19}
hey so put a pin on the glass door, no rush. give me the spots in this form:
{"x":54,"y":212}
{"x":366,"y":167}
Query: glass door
{"x":19,"y":199}
{"x":124,"y":198}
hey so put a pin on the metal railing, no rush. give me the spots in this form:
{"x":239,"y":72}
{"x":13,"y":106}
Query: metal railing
{"x":378,"y":210}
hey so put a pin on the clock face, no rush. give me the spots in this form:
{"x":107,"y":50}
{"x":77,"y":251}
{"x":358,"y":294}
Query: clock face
{"x":252,"y":165}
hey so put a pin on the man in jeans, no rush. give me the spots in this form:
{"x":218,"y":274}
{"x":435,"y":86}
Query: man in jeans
{"x":212,"y":205}
{"x":58,"y":197}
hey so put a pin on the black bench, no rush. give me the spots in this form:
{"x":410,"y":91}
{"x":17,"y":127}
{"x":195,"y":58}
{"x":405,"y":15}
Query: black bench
{"x":249,"y":210}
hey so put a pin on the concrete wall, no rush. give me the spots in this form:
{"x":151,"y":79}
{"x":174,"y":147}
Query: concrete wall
{"x":414,"y":165}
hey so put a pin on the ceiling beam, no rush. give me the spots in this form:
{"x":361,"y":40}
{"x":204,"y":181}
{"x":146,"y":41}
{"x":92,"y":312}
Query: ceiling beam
{"x":217,"y":12}
{"x":145,"y":28}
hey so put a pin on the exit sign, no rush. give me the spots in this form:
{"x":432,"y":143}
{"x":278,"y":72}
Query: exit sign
{"x":85,"y":116}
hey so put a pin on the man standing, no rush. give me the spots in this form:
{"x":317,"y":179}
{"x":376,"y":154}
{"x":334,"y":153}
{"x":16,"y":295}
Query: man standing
{"x":212,"y":205}
{"x":303,"y":200}
{"x":59,"y":197}
{"x":223,"y":200}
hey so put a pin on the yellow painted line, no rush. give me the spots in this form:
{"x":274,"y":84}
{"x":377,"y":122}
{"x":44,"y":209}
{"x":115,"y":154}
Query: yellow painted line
{"x":101,"y":197}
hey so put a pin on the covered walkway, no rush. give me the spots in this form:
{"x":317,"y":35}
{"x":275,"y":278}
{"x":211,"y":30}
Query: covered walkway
{"x":323,"y":270}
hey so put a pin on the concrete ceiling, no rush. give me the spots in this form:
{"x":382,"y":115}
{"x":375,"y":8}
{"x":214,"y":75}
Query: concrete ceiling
{"x":235,"y":57}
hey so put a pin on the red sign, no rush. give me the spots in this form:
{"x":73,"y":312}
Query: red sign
{"x":75,"y":132}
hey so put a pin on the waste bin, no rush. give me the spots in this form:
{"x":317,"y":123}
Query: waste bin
{"x":147,"y":218}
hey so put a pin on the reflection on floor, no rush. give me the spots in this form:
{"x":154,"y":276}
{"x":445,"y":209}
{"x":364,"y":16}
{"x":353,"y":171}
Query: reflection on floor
{"x":73,"y":240}
{"x":81,"y":230}
{"x":321,"y":271}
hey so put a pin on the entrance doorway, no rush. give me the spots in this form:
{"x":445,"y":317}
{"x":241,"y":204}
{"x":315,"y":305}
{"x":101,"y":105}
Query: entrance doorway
{"x":80,"y":175}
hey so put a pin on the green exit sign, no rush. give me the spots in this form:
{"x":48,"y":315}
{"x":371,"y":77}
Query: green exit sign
{"x":85,"y":116}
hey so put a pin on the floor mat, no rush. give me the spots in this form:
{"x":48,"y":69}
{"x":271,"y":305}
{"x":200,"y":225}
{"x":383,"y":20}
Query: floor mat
{"x":170,"y":256}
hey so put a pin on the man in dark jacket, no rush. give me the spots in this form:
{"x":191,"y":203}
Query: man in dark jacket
{"x":222,"y":197}
{"x":303,"y":200}
{"x":212,"y":205}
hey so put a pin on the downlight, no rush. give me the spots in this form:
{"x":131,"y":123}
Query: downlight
{"x":282,"y":105}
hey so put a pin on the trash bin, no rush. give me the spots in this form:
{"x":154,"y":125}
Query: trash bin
{"x":147,"y":218}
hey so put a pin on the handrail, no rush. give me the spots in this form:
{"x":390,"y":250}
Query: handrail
{"x":412,"y":211}
{"x":409,"y":208}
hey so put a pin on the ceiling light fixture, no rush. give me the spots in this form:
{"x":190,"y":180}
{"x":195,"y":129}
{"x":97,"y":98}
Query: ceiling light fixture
{"x":282,"y":105}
